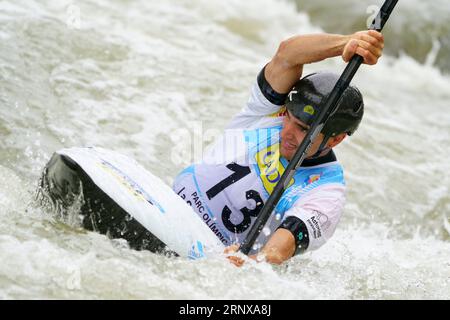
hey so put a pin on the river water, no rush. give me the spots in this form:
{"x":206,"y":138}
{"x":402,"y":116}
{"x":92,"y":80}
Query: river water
{"x":148,"y":78}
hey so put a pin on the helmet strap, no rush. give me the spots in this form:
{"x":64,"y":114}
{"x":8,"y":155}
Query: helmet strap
{"x":322,"y":147}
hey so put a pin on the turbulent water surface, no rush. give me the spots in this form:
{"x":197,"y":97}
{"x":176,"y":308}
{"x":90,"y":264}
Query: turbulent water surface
{"x":146,"y":78}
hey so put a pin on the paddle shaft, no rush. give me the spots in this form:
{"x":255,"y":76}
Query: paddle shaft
{"x":326,"y":111}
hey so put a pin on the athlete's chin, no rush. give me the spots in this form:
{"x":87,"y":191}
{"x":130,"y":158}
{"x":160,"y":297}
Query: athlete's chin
{"x":287,"y":154}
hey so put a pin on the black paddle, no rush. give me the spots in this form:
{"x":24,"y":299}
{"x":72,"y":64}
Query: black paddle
{"x":329,"y":107}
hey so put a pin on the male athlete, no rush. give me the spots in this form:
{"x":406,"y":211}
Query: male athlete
{"x":230,"y":185}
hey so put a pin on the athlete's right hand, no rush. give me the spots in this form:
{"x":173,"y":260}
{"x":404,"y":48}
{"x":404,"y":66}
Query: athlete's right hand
{"x":368,"y":44}
{"x":237,"y":261}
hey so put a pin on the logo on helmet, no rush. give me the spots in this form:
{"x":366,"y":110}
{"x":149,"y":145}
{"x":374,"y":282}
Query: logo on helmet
{"x":309,"y":110}
{"x":292,"y":93}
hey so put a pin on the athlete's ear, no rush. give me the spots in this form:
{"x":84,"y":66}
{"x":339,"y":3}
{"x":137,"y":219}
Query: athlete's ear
{"x":334,"y":141}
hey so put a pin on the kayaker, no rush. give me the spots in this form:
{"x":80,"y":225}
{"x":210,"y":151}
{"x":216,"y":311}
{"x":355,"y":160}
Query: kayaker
{"x":229,"y":186}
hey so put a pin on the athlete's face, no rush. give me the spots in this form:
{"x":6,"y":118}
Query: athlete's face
{"x":292,"y":135}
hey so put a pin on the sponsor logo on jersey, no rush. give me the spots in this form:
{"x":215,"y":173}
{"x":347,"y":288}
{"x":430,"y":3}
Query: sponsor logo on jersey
{"x":270,"y":167}
{"x":313,"y":178}
{"x":315,"y":226}
{"x":324,"y":221}
{"x":195,"y":201}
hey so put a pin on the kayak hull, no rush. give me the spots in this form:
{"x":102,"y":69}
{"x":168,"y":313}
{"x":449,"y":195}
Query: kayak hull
{"x":116,"y":196}
{"x":64,"y":181}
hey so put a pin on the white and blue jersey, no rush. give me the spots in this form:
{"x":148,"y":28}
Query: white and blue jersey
{"x":236,"y":176}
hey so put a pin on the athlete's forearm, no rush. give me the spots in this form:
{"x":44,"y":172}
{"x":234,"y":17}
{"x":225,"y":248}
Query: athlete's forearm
{"x":280,"y":247}
{"x":286,"y":67}
{"x":304,"y":49}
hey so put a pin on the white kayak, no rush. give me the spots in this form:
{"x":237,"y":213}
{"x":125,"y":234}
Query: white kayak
{"x":123,"y":200}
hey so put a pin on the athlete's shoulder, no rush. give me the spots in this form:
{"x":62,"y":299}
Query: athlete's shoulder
{"x":264,"y":108}
{"x":322,"y":170}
